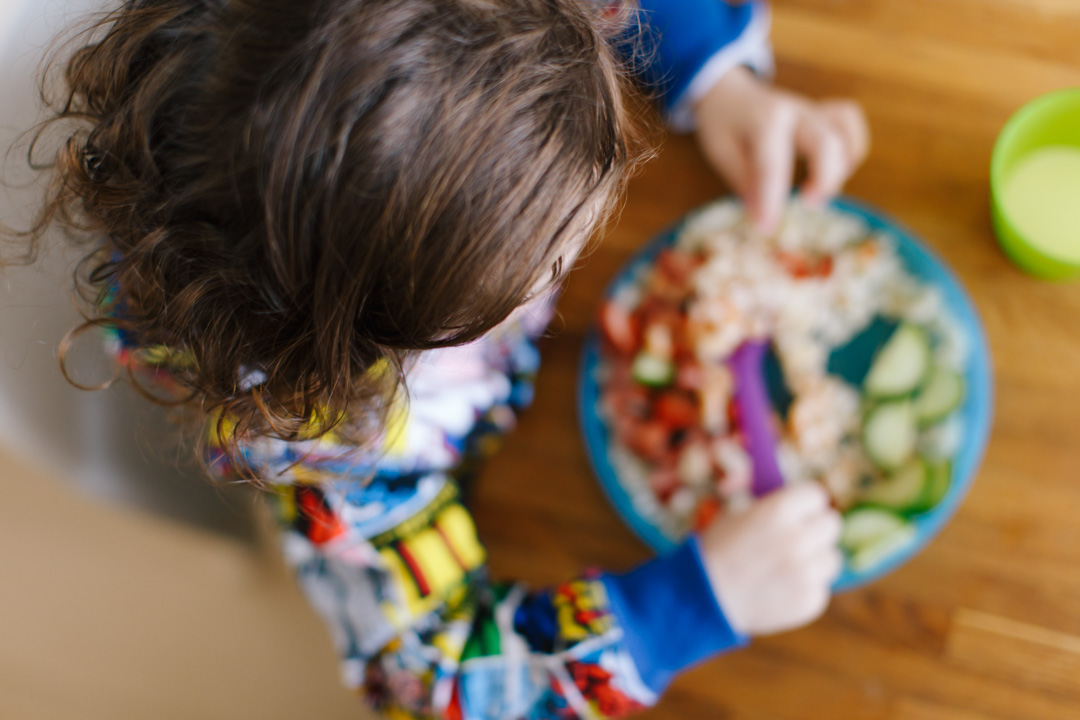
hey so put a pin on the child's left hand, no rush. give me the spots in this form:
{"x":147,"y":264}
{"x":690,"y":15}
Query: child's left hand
{"x":752,"y":133}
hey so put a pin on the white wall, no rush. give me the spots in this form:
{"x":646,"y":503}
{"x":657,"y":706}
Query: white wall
{"x":110,"y":443}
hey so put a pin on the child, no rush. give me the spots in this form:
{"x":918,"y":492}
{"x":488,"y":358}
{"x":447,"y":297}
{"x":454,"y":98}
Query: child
{"x":333,"y":227}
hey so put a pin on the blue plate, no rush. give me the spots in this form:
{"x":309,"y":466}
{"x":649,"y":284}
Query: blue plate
{"x":975,"y":415}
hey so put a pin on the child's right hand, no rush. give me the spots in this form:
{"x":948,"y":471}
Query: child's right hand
{"x":772,"y":567}
{"x":751,"y":133}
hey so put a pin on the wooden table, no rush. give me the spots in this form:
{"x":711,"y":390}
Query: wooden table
{"x":986,"y":622}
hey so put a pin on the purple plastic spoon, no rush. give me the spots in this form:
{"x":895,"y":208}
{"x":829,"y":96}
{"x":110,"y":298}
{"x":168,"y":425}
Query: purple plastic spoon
{"x":752,"y":401}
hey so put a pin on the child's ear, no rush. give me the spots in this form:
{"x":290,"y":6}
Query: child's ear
{"x":616,"y":20}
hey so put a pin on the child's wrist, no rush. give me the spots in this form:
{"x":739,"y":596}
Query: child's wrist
{"x":733,"y":86}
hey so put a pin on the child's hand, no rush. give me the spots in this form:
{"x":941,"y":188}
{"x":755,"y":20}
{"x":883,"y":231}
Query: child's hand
{"x":772,"y":567}
{"x":751,"y":133}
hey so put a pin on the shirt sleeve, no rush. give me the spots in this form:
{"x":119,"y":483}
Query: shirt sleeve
{"x":395,"y":568}
{"x":681,"y":48}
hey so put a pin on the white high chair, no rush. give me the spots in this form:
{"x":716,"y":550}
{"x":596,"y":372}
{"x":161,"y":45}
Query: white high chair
{"x":111,"y":443}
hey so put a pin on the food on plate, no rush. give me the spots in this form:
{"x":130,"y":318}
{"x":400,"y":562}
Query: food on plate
{"x":862,"y":364}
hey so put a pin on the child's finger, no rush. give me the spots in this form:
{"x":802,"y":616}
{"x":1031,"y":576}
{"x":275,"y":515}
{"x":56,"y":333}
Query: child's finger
{"x":821,"y":532}
{"x":773,"y":164}
{"x":824,"y":149}
{"x":824,"y":567}
{"x":728,"y":157}
{"x":794,"y":505}
{"x":812,"y":604}
{"x":848,"y":117}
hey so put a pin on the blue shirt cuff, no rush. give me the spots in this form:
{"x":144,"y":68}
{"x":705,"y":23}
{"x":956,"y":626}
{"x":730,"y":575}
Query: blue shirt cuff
{"x":670,"y":618}
{"x":676,"y":39}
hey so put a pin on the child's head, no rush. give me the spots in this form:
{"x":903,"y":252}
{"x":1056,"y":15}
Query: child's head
{"x":310,"y":186}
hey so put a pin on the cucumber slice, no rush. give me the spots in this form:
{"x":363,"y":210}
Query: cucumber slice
{"x":942,"y":440}
{"x":866,"y":525}
{"x":903,"y":490}
{"x":942,"y":393}
{"x":938,"y":481}
{"x":890,"y":434}
{"x":651,"y":370}
{"x":900,"y":366}
{"x":883,"y":548}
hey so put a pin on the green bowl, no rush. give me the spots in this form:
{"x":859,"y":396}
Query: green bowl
{"x":1052,"y":119}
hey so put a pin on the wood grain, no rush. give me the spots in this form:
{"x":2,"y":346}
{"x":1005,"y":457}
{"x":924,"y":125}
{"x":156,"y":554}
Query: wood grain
{"x":135,"y":618}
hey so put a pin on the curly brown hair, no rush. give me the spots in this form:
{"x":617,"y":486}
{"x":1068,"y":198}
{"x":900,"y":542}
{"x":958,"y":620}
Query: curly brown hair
{"x":310,"y":188}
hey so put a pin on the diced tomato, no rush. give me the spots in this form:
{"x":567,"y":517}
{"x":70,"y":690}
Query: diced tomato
{"x":689,"y":376}
{"x":794,"y":264}
{"x":620,"y":327}
{"x":629,"y":400}
{"x":685,"y":349}
{"x":734,"y":414}
{"x":706,"y":511}
{"x":664,"y":482}
{"x":677,"y":265}
{"x":661,"y":313}
{"x":671,"y":280}
{"x":660,"y":287}
{"x":825,"y":266}
{"x":800,"y":265}
{"x":693,"y":434}
{"x":648,"y":438}
{"x":675,"y":410}
{"x":620,"y":371}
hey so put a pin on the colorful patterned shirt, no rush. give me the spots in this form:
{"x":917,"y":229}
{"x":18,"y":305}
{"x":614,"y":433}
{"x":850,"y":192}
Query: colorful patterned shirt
{"x":386,"y":551}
